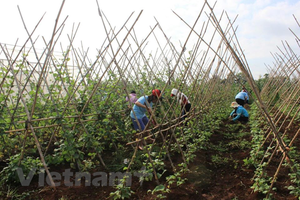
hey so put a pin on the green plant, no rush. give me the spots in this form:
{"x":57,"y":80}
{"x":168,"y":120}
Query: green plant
{"x":218,"y":160}
{"x":160,"y":191}
{"x":261,"y":181}
{"x":122,"y":192}
{"x":294,"y":176}
{"x":175,"y":178}
{"x":248,"y":162}
{"x":9,"y":174}
{"x":11,"y":192}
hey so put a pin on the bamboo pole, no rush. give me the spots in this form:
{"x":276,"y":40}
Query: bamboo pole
{"x":32,"y":130}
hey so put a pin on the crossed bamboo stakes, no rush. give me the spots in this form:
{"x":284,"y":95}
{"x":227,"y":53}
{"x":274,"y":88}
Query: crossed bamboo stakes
{"x":126,"y":57}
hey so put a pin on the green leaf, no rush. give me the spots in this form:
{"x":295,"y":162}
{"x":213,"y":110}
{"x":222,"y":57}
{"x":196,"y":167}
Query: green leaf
{"x":158,"y":188}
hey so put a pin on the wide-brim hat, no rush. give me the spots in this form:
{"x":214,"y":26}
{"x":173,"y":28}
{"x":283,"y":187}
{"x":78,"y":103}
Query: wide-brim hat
{"x":234,"y":104}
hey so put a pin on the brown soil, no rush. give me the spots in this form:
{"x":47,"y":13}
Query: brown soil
{"x":207,"y":180}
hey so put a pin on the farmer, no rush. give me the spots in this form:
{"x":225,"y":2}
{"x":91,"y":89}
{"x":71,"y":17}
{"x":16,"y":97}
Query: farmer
{"x":239,"y":113}
{"x":245,"y":90}
{"x":141,"y":106}
{"x":183,"y":101}
{"x":131,"y":98}
{"x":242,"y":98}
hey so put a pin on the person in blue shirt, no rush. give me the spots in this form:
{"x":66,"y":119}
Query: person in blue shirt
{"x":242,"y":98}
{"x":245,"y":90}
{"x":239,"y":113}
{"x":141,"y":106}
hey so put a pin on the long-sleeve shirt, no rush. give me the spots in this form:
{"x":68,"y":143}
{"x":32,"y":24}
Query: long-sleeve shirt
{"x":180,"y":97}
{"x":240,"y":111}
{"x":139,"y":111}
{"x":132,"y":98}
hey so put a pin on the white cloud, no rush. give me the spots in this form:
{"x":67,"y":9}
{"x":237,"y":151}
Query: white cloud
{"x":262,"y":27}
{"x":262,"y":24}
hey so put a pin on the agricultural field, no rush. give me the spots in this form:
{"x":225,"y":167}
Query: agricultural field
{"x":66,"y":131}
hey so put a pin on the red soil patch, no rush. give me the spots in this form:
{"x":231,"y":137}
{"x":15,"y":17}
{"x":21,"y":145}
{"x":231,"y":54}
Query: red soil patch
{"x":227,"y":181}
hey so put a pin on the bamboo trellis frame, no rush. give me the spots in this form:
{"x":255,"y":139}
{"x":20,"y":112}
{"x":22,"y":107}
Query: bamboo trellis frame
{"x":122,"y":61}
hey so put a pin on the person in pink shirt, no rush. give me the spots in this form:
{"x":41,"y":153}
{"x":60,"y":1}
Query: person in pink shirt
{"x":131,"y":98}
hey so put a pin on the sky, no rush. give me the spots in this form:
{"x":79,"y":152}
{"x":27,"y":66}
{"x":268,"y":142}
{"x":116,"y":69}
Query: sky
{"x":262,"y":24}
